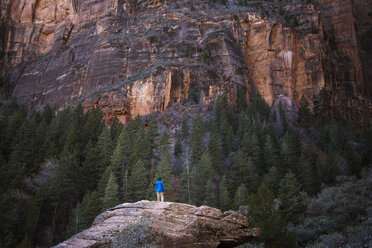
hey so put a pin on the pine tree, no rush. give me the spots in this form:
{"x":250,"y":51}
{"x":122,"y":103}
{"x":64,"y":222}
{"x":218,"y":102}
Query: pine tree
{"x":332,"y":167}
{"x":134,"y":126}
{"x":115,"y":129}
{"x":244,"y":125}
{"x":254,"y":151}
{"x":215,"y":151}
{"x":241,"y":196}
{"x":125,"y":187}
{"x":227,"y":136}
{"x":239,"y":171}
{"x":26,"y":243}
{"x":200,"y":174}
{"x":68,"y":181}
{"x":152,"y":135}
{"x":93,"y":125}
{"x":140,"y":150}
{"x":197,"y":140}
{"x":291,"y":149}
{"x":219,"y":109}
{"x":261,"y":208}
{"x":292,"y":201}
{"x":164,"y":144}
{"x":224,"y":198}
{"x":110,"y":198}
{"x":186,"y":181}
{"x":164,"y":170}
{"x":271,"y":152}
{"x":90,"y":208}
{"x":177,"y":148}
{"x":185,"y":128}
{"x":105,"y":147}
{"x":74,"y":225}
{"x":122,"y":151}
{"x":92,"y":168}
{"x":32,"y":213}
{"x":305,"y":174}
{"x":211,"y":197}
{"x":272,"y":179}
{"x":105,"y":177}
{"x":48,"y":114}
{"x":138,"y":182}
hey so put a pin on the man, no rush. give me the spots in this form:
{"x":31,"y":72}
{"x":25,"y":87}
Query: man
{"x":159,"y":188}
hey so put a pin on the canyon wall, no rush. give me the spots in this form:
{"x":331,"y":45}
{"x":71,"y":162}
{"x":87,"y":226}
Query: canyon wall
{"x":135,"y":57}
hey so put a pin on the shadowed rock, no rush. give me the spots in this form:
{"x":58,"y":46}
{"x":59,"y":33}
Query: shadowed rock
{"x":173,"y":224}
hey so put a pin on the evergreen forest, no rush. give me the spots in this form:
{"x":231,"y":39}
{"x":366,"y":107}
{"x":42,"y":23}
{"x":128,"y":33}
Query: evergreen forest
{"x":305,"y":182}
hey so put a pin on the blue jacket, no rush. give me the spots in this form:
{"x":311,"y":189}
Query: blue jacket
{"x":159,"y":186}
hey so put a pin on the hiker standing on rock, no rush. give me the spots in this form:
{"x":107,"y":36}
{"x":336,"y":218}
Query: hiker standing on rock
{"x":159,"y":188}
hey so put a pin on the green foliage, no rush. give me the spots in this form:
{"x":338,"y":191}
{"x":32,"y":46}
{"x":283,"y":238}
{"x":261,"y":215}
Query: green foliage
{"x":105,"y":147}
{"x":215,"y":151}
{"x":115,"y":129}
{"x":271,"y":152}
{"x":120,"y":159}
{"x":291,"y":149}
{"x":227,"y":137}
{"x":164,"y":143}
{"x":26,"y":243}
{"x":110,"y":198}
{"x":210,"y":195}
{"x":140,"y":149}
{"x":185,"y":128}
{"x":241,"y":196}
{"x":197,"y":140}
{"x":264,"y":215}
{"x":138,"y":182}
{"x":199,"y":176}
{"x":224,"y":198}
{"x":164,"y":170}
{"x":338,"y":209}
{"x":272,"y":179}
{"x":67,"y":165}
{"x":292,"y":201}
{"x":178,"y":148}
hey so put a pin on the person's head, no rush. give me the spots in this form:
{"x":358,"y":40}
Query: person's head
{"x":159,"y":179}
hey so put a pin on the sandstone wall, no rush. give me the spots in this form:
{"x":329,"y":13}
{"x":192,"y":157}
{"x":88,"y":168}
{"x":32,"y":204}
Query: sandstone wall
{"x":348,"y":32}
{"x":137,"y":58}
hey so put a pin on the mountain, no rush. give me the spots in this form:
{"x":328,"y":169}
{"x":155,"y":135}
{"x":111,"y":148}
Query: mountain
{"x":133,"y":57}
{"x":261,"y":107}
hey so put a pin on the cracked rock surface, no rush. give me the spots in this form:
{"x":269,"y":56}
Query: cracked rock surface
{"x":175,"y":225}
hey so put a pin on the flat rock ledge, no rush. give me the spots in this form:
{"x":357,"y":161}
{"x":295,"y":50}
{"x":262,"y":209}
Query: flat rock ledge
{"x":174,"y":225}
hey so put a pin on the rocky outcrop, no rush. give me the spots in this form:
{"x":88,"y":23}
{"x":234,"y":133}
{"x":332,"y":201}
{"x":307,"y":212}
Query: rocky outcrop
{"x":174,"y":225}
{"x":135,"y":57}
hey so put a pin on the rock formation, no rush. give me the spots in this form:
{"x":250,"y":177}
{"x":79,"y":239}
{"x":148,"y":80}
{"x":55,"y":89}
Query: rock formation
{"x":174,"y":225}
{"x":134,"y":57}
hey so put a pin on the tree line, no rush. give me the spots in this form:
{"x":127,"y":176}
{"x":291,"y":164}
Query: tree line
{"x":60,"y":170}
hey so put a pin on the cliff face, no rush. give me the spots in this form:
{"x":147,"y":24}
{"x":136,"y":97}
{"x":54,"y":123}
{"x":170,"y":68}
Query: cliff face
{"x":348,"y":33}
{"x":134,"y":57}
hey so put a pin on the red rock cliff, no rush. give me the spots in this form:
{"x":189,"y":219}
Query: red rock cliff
{"x":140,"y":57}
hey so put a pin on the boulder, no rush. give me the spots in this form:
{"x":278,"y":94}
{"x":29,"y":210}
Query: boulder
{"x":172,"y":225}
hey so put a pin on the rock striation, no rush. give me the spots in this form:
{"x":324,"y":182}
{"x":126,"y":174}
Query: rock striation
{"x":174,"y":225}
{"x":135,"y":57}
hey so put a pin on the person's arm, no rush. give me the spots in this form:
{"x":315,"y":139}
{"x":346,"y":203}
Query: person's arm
{"x":162,"y":185}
